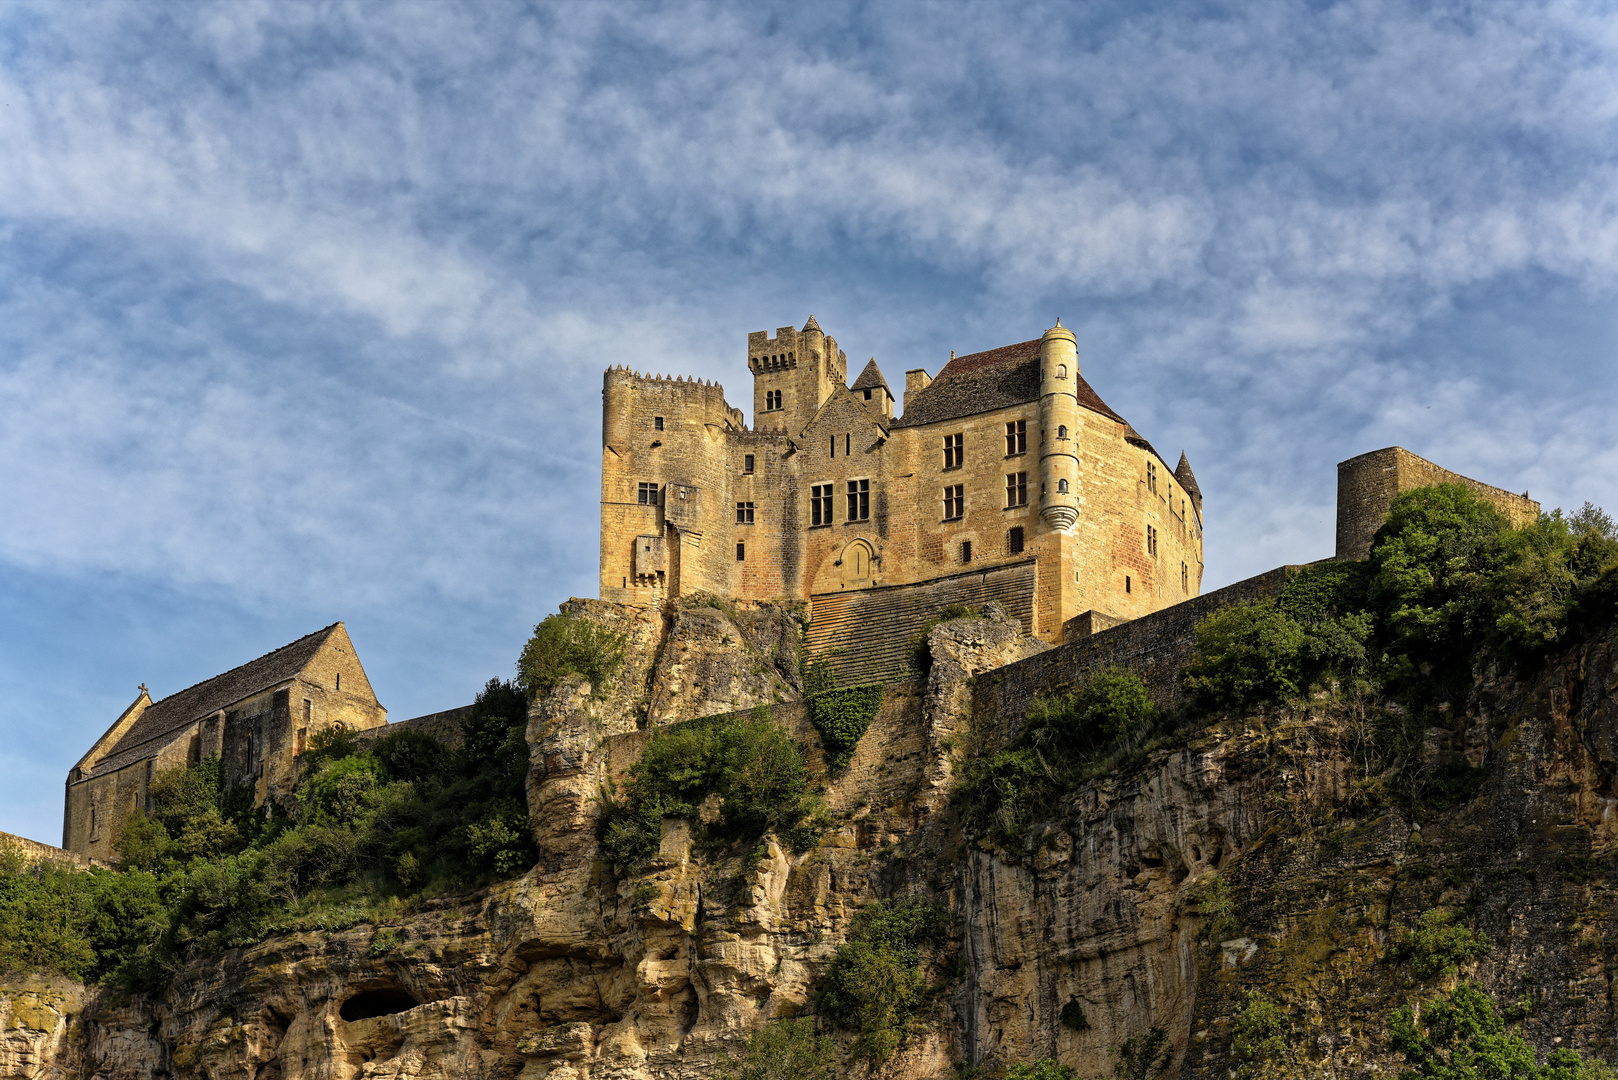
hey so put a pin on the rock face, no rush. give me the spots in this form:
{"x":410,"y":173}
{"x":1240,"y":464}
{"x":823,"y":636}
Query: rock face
{"x":1100,"y":923}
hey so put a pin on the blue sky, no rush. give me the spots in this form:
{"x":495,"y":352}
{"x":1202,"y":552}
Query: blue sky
{"x":303,"y":307}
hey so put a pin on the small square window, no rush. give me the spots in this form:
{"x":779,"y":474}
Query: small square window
{"x":747,"y":463}
{"x":657,"y":423}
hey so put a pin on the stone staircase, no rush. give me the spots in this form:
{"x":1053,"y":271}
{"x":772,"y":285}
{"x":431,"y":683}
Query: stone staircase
{"x":867,"y":635}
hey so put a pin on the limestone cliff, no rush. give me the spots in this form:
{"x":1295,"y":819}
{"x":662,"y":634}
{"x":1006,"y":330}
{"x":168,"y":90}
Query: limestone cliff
{"x":570,"y":974}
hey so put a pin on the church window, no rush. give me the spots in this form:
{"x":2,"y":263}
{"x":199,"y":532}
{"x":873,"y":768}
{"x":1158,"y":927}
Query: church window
{"x":1185,"y":578}
{"x":1061,"y":487}
{"x":859,"y":500}
{"x":744,"y":513}
{"x":646,"y":494}
{"x":966,"y":551}
{"x":820,"y":504}
{"x":1151,"y":541}
{"x":1016,"y":437}
{"x":1014,"y":540}
{"x":1017,"y":489}
{"x":1061,"y":431}
{"x":953,"y":452}
{"x":954,"y":502}
{"x":657,"y":423}
{"x":741,"y":551}
{"x":1151,"y":477}
{"x":747,"y":463}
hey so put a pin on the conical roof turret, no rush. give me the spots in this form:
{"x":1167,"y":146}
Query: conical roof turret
{"x":811,"y":325}
{"x":1182,"y":473}
{"x":871,"y":378}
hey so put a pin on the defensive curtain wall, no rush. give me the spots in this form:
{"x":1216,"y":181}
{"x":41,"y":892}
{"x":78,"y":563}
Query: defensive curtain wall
{"x":1367,"y":484}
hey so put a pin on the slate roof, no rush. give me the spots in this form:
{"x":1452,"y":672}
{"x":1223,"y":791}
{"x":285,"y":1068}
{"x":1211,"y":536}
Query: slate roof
{"x":871,"y":378}
{"x":180,"y":710}
{"x":981,"y":382}
{"x":1182,"y":473}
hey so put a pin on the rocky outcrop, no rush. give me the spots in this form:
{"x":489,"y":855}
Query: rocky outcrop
{"x":1092,"y":928}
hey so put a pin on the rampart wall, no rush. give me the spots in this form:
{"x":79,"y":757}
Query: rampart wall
{"x":444,"y":726}
{"x":1366,"y":486}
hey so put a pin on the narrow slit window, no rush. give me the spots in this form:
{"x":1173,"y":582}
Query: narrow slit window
{"x":848,"y":441}
{"x":834,"y":446}
{"x":1185,"y":578}
{"x":741,"y":551}
{"x":1151,"y":541}
{"x":1126,"y":583}
{"x":747,"y":463}
{"x":966,"y":551}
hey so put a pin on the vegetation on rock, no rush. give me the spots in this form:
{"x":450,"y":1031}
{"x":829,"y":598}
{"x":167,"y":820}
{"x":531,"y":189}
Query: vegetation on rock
{"x":751,"y":763}
{"x":876,"y":984}
{"x":565,"y":644}
{"x":842,"y":718}
{"x":1461,"y":1036}
{"x":783,"y":1050}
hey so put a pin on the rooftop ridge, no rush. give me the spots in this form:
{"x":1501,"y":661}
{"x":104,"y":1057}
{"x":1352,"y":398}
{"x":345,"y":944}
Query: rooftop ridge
{"x":256,"y":659}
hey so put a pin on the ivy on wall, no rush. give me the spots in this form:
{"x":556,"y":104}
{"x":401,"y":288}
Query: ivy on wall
{"x":842,"y":717}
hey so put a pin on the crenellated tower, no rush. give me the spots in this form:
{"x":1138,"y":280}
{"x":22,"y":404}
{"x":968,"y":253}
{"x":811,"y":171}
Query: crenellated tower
{"x":793,"y":374}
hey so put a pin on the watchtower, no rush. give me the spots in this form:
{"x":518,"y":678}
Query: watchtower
{"x":793,"y":375}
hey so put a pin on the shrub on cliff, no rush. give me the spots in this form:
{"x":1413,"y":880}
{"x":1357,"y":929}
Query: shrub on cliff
{"x":875,"y":982}
{"x":783,"y":1050}
{"x":83,"y":924}
{"x":842,"y":717}
{"x":565,"y":645}
{"x":1461,"y":1036}
{"x":750,"y":763}
{"x":1061,"y":741}
{"x":1438,"y":946}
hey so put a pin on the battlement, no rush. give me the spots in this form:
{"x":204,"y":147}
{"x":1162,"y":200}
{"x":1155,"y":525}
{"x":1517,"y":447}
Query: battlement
{"x":620,"y":375}
{"x":779,"y":353}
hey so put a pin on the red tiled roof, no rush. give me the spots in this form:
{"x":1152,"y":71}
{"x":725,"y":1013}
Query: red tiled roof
{"x":984,"y":381}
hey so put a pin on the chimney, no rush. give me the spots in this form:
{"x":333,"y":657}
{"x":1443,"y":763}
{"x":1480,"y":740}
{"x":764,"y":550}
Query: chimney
{"x":915,"y":382}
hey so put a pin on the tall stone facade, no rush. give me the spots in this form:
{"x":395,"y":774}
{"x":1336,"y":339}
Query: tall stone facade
{"x":256,"y":718}
{"x":1007,"y":458}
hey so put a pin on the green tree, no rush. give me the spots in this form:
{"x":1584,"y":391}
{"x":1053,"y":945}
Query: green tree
{"x":565,"y":645}
{"x":1460,"y":1036}
{"x":1142,"y":1057}
{"x":874,"y":983}
{"x":1043,"y":1069}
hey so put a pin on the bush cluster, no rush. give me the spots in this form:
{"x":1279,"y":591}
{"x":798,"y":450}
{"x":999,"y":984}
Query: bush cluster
{"x":875,"y":982}
{"x":751,"y":763}
{"x":783,"y":1050}
{"x":564,"y":645}
{"x":369,"y":826}
{"x":1460,"y":1035}
{"x":1437,"y":946}
{"x":1062,"y":740}
{"x":1448,"y":578}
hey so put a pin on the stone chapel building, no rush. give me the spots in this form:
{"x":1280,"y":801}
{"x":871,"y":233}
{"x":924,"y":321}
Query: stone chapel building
{"x":1004,"y":478}
{"x":255,"y":718}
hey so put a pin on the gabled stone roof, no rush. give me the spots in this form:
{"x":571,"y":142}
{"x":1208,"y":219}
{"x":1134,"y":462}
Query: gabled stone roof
{"x":180,"y":710}
{"x":871,"y":378}
{"x":982,"y":382}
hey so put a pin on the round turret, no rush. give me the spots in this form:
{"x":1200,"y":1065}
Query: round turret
{"x":1059,"y":427}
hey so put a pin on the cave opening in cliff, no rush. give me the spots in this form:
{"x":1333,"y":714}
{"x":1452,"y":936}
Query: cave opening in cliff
{"x":384,"y":1002}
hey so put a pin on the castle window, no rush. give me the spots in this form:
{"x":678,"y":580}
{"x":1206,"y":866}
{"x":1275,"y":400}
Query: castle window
{"x":1126,"y":583}
{"x":1014,"y":541}
{"x":1185,"y":578}
{"x":867,"y":395}
{"x":833,"y":446}
{"x":954,"y":455}
{"x":966,"y":551}
{"x":744,"y":513}
{"x":303,"y":740}
{"x":1151,"y":541}
{"x":1016,"y":437}
{"x":646,"y":494}
{"x":741,"y":551}
{"x":657,"y":423}
{"x":954,"y":502}
{"x":1017,"y":489}
{"x":1061,"y":487}
{"x":772,"y":400}
{"x":847,"y":442}
{"x":859,"y":500}
{"x":307,"y":708}
{"x":1151,"y":477}
{"x":1061,"y":371}
{"x":820,"y":504}
{"x":1061,"y":431}
{"x":747,"y":463}
{"x":339,"y":681}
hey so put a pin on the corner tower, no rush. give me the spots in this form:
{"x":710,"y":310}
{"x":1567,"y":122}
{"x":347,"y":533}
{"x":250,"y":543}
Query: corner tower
{"x":1059,"y":428}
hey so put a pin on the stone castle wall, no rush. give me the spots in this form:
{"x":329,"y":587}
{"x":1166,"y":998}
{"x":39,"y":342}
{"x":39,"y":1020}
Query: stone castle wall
{"x":1366,"y":486}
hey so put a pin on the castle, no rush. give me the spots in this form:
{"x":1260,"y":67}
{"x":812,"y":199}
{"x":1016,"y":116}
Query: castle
{"x":1006,"y":477}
